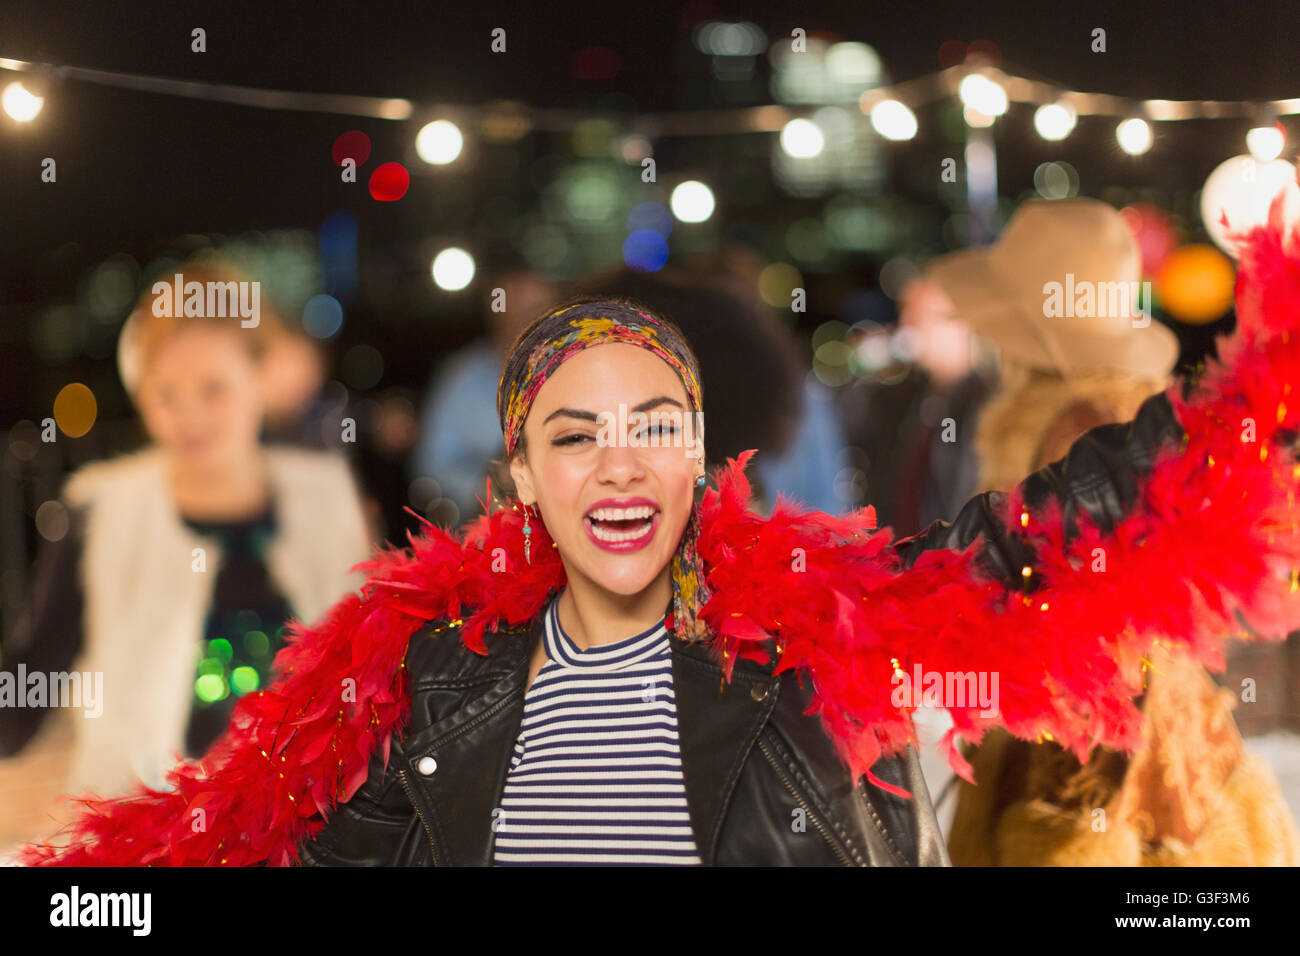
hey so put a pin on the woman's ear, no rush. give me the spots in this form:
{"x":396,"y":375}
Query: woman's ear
{"x":522,"y":476}
{"x":698,"y":441}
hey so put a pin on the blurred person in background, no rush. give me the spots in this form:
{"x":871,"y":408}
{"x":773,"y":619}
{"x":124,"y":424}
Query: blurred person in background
{"x":1190,"y":795}
{"x":183,"y":560}
{"x":750,"y":366}
{"x":457,"y":419}
{"x":915,"y":422}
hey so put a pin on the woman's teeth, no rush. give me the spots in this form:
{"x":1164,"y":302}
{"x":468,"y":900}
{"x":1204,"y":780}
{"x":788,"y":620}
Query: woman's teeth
{"x":621,"y":514}
{"x":621,"y":524}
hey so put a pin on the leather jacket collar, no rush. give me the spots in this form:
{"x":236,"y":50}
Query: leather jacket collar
{"x":456,"y":796}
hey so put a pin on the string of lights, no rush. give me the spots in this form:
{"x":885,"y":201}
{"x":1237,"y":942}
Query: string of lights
{"x":985,"y":91}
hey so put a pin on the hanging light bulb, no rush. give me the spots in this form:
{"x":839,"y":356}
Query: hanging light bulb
{"x":1055,"y":121}
{"x":691,"y":201}
{"x":892,"y":120}
{"x":979,"y":93}
{"x":802,"y":139}
{"x":1134,"y":136}
{"x":1265,"y":143}
{"x":439,"y":143}
{"x":20,"y":103}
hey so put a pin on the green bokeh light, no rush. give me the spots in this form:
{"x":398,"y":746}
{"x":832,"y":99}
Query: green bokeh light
{"x":211,"y":688}
{"x":257,"y":643}
{"x":244,"y":680}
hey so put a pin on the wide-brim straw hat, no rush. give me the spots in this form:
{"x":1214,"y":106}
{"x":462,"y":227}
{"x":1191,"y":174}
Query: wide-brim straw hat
{"x":1005,"y":291}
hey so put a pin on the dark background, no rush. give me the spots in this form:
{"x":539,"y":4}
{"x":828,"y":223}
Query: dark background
{"x":137,"y":169}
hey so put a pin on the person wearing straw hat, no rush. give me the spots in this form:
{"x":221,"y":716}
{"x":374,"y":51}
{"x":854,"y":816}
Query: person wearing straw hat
{"x":1190,"y":795}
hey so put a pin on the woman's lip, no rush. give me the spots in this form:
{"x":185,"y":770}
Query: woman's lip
{"x":623,"y":547}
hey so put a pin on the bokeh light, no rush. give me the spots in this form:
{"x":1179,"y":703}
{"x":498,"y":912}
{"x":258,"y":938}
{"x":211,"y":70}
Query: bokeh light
{"x":983,"y":95}
{"x":1134,"y":136}
{"x":244,"y":680}
{"x":776,"y":283}
{"x":892,"y":120}
{"x":322,"y":316}
{"x":802,"y":139}
{"x":452,"y":269}
{"x":257,"y":644}
{"x":75,"y":409}
{"x":353,"y":145}
{"x":1265,"y":143}
{"x":211,"y":688}
{"x":645,"y":250}
{"x":20,"y":103}
{"x":52,"y":520}
{"x":1056,"y":180}
{"x":439,"y":143}
{"x":692,"y":201}
{"x":1055,"y":121}
{"x":389,"y":182}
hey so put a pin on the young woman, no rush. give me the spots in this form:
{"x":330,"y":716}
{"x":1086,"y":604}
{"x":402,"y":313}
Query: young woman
{"x":610,"y":671}
{"x":185,"y":559}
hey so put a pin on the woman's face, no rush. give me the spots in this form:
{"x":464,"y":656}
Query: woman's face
{"x":201,"y":399}
{"x":615,"y":511}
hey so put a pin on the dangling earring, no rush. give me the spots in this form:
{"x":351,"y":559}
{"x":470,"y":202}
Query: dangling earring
{"x":699,"y":482}
{"x":528,"y":537}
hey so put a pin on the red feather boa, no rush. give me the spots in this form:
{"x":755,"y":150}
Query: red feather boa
{"x":1213,"y":535}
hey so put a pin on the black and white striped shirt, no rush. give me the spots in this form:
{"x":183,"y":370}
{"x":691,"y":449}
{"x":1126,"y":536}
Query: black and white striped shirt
{"x":596,"y":775}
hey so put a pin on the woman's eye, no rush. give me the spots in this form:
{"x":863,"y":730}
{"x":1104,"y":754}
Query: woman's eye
{"x":569,"y":440}
{"x":659,"y":431}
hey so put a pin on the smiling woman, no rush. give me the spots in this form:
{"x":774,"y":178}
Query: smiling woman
{"x":624,"y":739}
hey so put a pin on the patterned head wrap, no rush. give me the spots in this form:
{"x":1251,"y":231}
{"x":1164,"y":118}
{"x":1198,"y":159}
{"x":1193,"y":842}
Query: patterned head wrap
{"x":556,"y":336}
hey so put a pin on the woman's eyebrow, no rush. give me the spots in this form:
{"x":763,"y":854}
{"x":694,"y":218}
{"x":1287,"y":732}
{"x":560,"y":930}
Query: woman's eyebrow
{"x":591,"y":416}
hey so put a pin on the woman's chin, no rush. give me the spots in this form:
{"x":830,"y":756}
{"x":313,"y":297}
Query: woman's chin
{"x":633,"y":577}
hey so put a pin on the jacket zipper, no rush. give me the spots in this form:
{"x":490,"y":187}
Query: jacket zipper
{"x":433,"y":852}
{"x":406,"y":785}
{"x":807,"y":808}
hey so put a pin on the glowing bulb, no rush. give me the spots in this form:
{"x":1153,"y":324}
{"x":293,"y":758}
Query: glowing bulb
{"x":453,"y":269}
{"x":1265,"y":142}
{"x":692,"y":201}
{"x":1134,"y":136}
{"x":802,"y":139}
{"x":1055,"y":121}
{"x":19,"y":103}
{"x":439,"y":143}
{"x":892,"y":120}
{"x":983,"y":95}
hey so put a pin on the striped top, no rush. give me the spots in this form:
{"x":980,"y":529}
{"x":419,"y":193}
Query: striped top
{"x":596,"y":774}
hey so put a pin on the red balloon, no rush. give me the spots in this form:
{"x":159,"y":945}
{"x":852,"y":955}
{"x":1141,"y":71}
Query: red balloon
{"x":1155,"y":234}
{"x":389,"y":182}
{"x":353,"y":145}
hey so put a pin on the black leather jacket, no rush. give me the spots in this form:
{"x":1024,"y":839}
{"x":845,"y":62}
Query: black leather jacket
{"x":755,"y":765}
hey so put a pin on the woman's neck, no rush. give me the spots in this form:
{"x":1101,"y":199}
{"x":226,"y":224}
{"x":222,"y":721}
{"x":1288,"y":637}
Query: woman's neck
{"x":236,"y":490}
{"x":592,"y":616}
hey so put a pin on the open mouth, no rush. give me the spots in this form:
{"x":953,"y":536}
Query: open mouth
{"x":616,"y":525}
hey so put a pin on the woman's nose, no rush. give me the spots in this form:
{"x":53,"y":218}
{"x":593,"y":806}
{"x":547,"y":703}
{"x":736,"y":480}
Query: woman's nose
{"x":619,"y":462}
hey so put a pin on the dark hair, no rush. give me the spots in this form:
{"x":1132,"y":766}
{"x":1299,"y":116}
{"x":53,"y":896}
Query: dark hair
{"x":551,"y":323}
